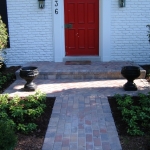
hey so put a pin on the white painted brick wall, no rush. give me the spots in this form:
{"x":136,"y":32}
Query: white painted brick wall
{"x":30,"y":32}
{"x":129,"y":32}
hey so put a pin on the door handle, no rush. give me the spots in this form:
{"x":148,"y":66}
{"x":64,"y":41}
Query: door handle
{"x":68,"y":26}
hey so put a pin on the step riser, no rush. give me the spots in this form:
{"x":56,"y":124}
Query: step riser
{"x":108,"y":75}
{"x":81,"y":58}
{"x":97,"y":70}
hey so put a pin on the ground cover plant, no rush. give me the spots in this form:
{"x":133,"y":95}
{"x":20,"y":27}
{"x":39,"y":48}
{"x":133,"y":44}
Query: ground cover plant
{"x":3,"y":41}
{"x":34,"y":140}
{"x":30,"y":141}
{"x":7,"y":76}
{"x":4,"y":79}
{"x":22,"y":112}
{"x":135,"y":113}
{"x":132,"y":119}
{"x":26,"y":117}
{"x":8,"y":138}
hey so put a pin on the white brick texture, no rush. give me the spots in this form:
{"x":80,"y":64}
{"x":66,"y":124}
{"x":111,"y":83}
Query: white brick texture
{"x":129,"y":32}
{"x":30,"y":32}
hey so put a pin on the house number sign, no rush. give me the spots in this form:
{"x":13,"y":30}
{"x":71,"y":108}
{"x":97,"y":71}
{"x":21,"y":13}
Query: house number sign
{"x":56,"y":6}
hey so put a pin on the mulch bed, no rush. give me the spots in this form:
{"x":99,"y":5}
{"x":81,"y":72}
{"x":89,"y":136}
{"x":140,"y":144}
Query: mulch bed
{"x":35,"y":140}
{"x":127,"y":142}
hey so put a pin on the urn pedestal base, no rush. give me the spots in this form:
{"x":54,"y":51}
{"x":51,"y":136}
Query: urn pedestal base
{"x":130,"y":86}
{"x":30,"y":86}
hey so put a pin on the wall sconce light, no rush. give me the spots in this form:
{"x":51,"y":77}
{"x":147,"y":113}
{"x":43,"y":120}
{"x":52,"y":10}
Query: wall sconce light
{"x":41,"y":3}
{"x":122,"y":3}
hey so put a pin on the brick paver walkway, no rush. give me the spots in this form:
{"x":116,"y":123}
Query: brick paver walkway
{"x":81,"y":117}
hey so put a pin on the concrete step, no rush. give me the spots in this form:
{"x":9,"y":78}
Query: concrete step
{"x":97,"y":70}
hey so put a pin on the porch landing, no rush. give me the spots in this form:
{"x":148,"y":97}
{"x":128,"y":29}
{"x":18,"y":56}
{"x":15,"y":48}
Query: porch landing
{"x":97,"y":70}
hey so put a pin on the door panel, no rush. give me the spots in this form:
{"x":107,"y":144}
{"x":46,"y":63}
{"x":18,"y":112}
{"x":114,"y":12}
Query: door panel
{"x":82,"y":38}
{"x":72,"y":39}
{"x":91,"y":42}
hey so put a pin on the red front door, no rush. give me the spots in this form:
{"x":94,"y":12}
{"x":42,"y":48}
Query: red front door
{"x":81,"y":27}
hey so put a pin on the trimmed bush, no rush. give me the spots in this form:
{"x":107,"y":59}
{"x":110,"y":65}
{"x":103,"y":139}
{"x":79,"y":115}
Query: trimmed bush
{"x":3,"y":40}
{"x":22,"y":112}
{"x":8,"y":139}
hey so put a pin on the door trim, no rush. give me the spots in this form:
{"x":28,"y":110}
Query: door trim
{"x":104,"y":30}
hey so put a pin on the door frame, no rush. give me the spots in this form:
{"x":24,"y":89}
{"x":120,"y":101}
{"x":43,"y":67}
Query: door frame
{"x":104,"y":30}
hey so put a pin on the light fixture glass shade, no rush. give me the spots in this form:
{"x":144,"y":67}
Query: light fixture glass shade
{"x":41,"y":3}
{"x":121,"y":3}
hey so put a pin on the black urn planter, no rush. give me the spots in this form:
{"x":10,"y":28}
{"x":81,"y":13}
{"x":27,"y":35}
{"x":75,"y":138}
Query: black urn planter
{"x":130,"y":73}
{"x":29,"y":73}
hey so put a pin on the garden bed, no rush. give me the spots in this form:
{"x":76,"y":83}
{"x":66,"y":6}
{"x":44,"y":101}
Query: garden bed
{"x":34,"y":140}
{"x":128,"y":142}
{"x":7,"y":77}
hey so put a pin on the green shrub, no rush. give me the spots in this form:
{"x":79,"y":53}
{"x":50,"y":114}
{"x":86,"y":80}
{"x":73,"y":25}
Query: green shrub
{"x":3,"y":40}
{"x":136,"y":114}
{"x":4,"y":79}
{"x":8,"y":139}
{"x":23,"y":111}
{"x":2,"y":66}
